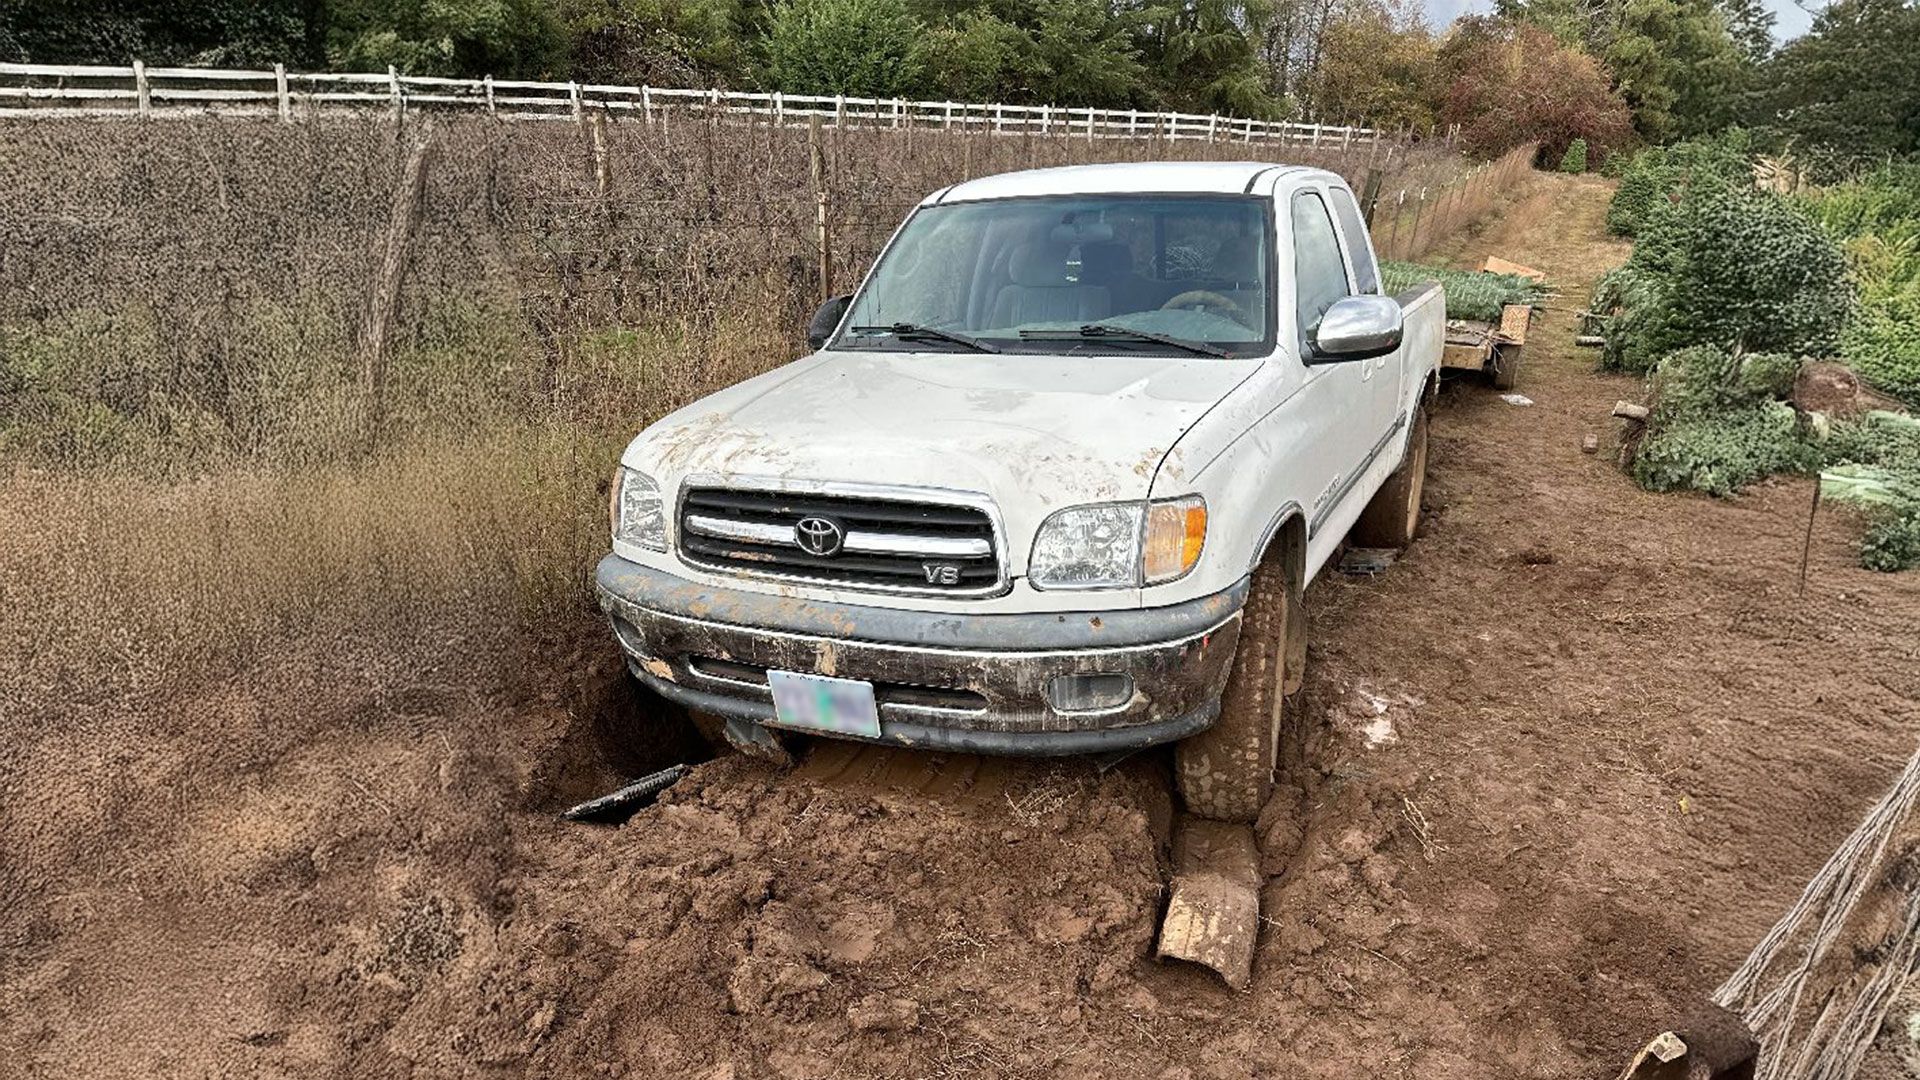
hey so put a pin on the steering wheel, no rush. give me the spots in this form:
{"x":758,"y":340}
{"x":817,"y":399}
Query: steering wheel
{"x":1202,"y":300}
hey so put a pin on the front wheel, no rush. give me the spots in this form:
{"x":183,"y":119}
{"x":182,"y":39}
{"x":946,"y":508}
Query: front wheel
{"x":1226,"y":771}
{"x":1392,"y":518}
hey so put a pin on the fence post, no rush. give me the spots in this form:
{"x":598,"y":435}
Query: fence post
{"x":486,"y":85}
{"x":840,"y":110}
{"x":1316,"y":136}
{"x":393,"y":88}
{"x":1133,"y":123}
{"x":602,"y":165}
{"x":897,"y":108}
{"x":779,"y":109}
{"x":817,"y":174}
{"x":1370,"y":192}
{"x":142,"y":94}
{"x":1413,"y":235}
{"x":1089,"y":126}
{"x":646,"y":104}
{"x":1399,"y":210}
{"x":1213,"y":127}
{"x":949,"y":121}
{"x":401,"y":225}
{"x":999,"y":120}
{"x":280,"y":89}
{"x":573,"y":99}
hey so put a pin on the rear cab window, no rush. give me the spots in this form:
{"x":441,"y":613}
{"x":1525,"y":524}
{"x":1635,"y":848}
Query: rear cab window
{"x":1366,"y":275}
{"x":1319,"y":269}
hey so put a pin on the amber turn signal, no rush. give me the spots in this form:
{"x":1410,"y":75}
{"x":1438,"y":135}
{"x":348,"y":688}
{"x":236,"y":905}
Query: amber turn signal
{"x":1176,"y":533}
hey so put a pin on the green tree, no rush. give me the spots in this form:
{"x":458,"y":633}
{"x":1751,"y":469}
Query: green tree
{"x":212,"y":32}
{"x":661,"y":42}
{"x":1084,"y":55}
{"x":1041,"y":52}
{"x":508,"y":38}
{"x":1677,"y":67}
{"x":1751,"y":26}
{"x":1375,"y":70}
{"x":978,"y":56}
{"x":1848,"y":91}
{"x":1203,"y":56}
{"x":1581,"y":23}
{"x":865,"y":48}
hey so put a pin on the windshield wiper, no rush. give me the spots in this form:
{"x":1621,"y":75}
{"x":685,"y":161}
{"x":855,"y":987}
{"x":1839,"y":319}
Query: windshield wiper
{"x":1096,"y":331}
{"x":907,"y":331}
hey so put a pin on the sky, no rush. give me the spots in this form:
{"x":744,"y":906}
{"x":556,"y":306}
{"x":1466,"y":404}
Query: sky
{"x":1789,"y":20}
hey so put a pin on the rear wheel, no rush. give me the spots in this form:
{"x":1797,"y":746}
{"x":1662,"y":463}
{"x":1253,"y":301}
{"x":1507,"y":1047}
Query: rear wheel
{"x":1392,"y":518}
{"x":1226,"y":771}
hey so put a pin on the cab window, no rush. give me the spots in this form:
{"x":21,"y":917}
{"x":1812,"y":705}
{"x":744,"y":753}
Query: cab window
{"x":1365,"y":275}
{"x":1319,"y":273}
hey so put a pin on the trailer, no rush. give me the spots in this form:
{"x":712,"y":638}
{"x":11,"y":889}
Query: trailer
{"x":1491,"y":348}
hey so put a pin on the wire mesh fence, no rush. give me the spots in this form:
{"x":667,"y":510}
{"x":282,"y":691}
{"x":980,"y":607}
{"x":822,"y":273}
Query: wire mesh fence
{"x":229,"y":287}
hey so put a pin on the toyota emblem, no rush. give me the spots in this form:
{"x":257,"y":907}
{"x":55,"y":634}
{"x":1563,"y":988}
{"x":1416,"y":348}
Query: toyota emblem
{"x":819,"y":536}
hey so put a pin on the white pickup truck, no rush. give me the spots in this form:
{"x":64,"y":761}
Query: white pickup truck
{"x":1051,"y":482}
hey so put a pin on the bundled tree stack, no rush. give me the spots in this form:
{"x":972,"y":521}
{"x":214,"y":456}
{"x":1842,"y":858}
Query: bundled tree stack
{"x":1819,"y":985}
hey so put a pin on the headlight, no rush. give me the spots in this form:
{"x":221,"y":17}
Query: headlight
{"x":1088,"y":547}
{"x":638,"y":516}
{"x":1100,"y":546}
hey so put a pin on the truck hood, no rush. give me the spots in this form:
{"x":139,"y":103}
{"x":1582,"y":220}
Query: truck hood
{"x":1033,"y":432}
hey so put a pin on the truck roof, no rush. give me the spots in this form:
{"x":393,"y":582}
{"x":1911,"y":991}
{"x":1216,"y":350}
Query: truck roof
{"x":1208,"y":177}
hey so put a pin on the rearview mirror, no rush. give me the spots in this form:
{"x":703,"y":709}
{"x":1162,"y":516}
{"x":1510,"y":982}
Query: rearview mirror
{"x":1357,"y":328}
{"x":825,"y":320}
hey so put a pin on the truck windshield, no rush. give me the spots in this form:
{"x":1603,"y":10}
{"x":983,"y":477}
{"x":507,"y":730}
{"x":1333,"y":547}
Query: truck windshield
{"x":1107,"y":275}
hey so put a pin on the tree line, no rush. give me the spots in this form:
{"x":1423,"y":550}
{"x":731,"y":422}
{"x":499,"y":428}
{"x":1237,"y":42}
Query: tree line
{"x":1613,"y":73}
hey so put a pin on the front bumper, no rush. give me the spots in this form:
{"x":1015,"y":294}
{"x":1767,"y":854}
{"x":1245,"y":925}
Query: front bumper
{"x":975,"y":683}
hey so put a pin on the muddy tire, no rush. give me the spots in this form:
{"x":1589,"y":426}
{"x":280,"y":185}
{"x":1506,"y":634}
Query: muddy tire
{"x":1393,"y":517}
{"x":1226,"y":772}
{"x":1506,"y":367}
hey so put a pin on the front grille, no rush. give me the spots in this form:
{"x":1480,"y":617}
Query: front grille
{"x":907,"y":695}
{"x":892,"y":544}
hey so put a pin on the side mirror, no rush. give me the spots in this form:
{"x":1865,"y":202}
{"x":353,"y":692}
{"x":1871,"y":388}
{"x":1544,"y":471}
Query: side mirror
{"x":1358,"y":328}
{"x":825,"y":320}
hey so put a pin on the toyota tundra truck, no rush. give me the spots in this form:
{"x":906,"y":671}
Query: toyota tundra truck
{"x":1051,"y":482}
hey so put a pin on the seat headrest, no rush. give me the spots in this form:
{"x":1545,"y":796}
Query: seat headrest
{"x":1104,"y":263}
{"x":1049,"y":265}
{"x":1237,"y":260}
{"x":1038,"y":265}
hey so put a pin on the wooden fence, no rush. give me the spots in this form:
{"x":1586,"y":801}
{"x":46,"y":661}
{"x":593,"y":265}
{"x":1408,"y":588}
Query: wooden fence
{"x":139,"y":90}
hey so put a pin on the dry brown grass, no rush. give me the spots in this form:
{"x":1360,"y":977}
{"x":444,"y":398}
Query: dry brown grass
{"x":118,"y":585}
{"x":192,"y":472}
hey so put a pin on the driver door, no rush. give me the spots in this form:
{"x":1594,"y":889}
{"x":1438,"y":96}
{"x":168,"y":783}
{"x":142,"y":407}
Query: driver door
{"x":1334,"y":410}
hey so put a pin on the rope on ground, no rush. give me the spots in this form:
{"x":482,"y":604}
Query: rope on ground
{"x":1816,"y":1012}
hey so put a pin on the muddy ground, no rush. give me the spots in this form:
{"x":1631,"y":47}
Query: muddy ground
{"x":1550,"y":779}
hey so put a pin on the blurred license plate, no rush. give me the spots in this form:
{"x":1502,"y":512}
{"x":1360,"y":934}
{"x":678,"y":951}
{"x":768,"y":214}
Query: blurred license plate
{"x":820,"y":703}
